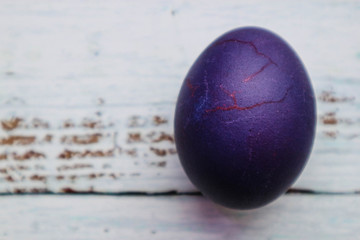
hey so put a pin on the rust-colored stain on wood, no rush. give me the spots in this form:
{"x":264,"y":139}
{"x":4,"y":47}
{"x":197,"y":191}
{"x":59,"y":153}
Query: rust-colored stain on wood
{"x":158,"y":151}
{"x":81,"y":139}
{"x":48,"y":138}
{"x":134,"y":137}
{"x":330,"y":97}
{"x":37,"y":177}
{"x":68,"y":190}
{"x":10,"y":179}
{"x":77,"y":146}
{"x":68,"y":124}
{"x":11,"y":124}
{"x":89,"y":123}
{"x":28,"y":155}
{"x":329,"y":118}
{"x":68,"y":154}
{"x":17,"y":140}
{"x":3,"y":156}
{"x":159,"y":164}
{"x":164,"y":137}
{"x":159,"y":120}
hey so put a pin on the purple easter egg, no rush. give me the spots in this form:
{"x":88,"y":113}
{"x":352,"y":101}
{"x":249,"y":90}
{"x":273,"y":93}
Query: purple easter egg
{"x":245,"y":119}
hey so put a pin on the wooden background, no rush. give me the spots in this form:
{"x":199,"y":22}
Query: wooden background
{"x":87,"y":96}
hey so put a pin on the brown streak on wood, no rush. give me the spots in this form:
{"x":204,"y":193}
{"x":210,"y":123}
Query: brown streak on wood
{"x":158,"y":151}
{"x":39,"y":190}
{"x":68,"y":190}
{"x":134,"y":137}
{"x":68,"y":124}
{"x":3,"y":156}
{"x":158,"y":164}
{"x":68,"y":154}
{"x":164,"y":137}
{"x":329,"y":96}
{"x":17,"y":140}
{"x":19,"y":190}
{"x":28,"y":155}
{"x":329,"y":118}
{"x":60,"y":177}
{"x":92,"y":175}
{"x":22,"y":167}
{"x":11,"y":124}
{"x":3,"y":170}
{"x":88,"y":123}
{"x":10,"y":179}
{"x":158,"y":120}
{"x":37,"y":177}
{"x":81,"y":139}
{"x":48,"y":138}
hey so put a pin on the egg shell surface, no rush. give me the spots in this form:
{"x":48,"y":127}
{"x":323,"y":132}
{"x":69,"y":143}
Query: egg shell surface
{"x":245,"y":119}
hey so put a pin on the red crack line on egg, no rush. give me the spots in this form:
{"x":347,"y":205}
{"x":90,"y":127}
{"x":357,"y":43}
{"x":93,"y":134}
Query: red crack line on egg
{"x":256,"y":73}
{"x":252,"y":45}
{"x":235,"y":105}
{"x":191,"y":87}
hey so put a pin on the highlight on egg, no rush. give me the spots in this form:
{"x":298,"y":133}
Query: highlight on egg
{"x":245,"y":119}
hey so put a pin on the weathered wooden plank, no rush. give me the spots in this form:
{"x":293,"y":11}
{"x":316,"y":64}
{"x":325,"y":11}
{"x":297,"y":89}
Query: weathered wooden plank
{"x":178,"y":217}
{"x":88,"y":90}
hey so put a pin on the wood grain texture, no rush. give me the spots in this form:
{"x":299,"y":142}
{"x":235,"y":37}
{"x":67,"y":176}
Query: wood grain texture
{"x":184,"y":217}
{"x":88,"y":89}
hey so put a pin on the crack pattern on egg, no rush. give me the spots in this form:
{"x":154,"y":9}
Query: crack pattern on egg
{"x":245,"y":119}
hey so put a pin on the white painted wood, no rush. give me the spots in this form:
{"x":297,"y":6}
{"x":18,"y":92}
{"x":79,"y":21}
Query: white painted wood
{"x":181,"y":217}
{"x":104,"y":71}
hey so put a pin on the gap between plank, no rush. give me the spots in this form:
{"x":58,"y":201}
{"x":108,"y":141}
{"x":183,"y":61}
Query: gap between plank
{"x":173,"y":193}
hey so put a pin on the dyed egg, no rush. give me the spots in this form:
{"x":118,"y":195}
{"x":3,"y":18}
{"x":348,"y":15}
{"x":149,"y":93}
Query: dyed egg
{"x":245,"y":119}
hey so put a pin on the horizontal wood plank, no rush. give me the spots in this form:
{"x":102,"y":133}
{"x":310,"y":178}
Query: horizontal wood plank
{"x":88,"y":90}
{"x":180,"y":217}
